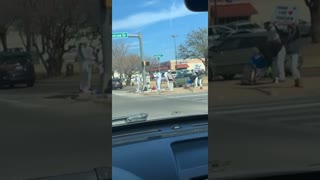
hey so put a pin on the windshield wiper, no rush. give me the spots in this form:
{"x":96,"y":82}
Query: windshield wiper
{"x":135,"y":118}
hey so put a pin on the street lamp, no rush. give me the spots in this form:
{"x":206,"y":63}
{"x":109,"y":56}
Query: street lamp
{"x":175,"y":48}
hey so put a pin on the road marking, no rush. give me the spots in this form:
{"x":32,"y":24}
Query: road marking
{"x":21,"y":104}
{"x":296,"y":118}
{"x":191,"y":95}
{"x":126,"y":94}
{"x":295,"y":106}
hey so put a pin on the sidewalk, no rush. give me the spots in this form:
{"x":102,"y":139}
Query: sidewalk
{"x":180,"y":90}
{"x":232,"y":92}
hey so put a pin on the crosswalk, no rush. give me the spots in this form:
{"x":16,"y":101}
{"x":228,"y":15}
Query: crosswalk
{"x":197,"y":98}
{"x":293,"y":112}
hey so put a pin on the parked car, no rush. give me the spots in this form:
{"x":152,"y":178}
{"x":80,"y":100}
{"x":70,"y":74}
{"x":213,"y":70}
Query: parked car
{"x":232,"y":55}
{"x":16,"y":68}
{"x":245,"y":25}
{"x":216,"y":33}
{"x":116,"y":84}
{"x":174,"y":73}
{"x":181,"y":79}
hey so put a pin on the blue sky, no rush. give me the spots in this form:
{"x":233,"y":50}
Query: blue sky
{"x":157,"y":20}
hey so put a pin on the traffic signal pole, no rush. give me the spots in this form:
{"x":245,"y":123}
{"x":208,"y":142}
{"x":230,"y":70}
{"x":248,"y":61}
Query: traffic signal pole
{"x":141,"y":58}
{"x":106,"y":21}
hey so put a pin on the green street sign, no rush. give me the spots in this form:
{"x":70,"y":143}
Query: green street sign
{"x":120,"y":35}
{"x":158,"y":55}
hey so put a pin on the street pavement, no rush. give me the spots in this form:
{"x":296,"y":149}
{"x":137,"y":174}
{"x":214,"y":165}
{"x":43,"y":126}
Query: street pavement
{"x":158,"y":106}
{"x":275,"y":135}
{"x":44,"y":137}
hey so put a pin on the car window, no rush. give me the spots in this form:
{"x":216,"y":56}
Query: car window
{"x":248,"y":26}
{"x":231,"y":44}
{"x":232,"y":26}
{"x":251,"y":42}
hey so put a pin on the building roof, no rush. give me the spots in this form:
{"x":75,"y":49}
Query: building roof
{"x":234,"y":10}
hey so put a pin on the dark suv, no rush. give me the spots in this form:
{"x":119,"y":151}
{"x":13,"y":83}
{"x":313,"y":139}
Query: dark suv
{"x":16,"y":68}
{"x":116,"y":84}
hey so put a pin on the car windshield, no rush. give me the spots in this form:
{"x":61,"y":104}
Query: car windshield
{"x":166,"y":49}
{"x":263,"y":95}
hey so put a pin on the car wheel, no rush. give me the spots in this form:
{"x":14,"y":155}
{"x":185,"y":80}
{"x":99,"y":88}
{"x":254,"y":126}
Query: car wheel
{"x":11,"y":85}
{"x":30,"y":83}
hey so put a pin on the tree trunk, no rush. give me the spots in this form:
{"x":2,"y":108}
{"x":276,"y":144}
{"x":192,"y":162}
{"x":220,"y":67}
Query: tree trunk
{"x":314,"y":7}
{"x":54,"y":67}
{"x":315,"y":27}
{"x":3,"y":38}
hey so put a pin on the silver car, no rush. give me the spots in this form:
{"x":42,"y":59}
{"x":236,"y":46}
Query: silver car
{"x":245,"y":25}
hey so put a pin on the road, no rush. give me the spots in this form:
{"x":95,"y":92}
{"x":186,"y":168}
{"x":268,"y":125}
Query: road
{"x":42,"y":137}
{"x":158,"y":106}
{"x":264,"y":136}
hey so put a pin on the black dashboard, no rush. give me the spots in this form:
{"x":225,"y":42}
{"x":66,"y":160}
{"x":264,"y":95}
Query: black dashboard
{"x":175,"y":148}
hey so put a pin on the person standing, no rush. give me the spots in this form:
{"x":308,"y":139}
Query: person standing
{"x":81,"y":60}
{"x":278,"y":64}
{"x":293,"y":47}
{"x":195,"y":78}
{"x":170,"y":79}
{"x":167,"y":79}
{"x":200,"y":77}
{"x":85,"y":58}
{"x":159,"y":81}
{"x":137,"y":81}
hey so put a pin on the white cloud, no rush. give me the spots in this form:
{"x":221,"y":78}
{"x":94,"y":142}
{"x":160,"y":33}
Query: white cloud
{"x":147,"y":18}
{"x":149,"y":3}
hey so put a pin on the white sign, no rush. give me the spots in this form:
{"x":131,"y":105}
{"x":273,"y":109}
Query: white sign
{"x":285,"y":15}
{"x":197,"y":67}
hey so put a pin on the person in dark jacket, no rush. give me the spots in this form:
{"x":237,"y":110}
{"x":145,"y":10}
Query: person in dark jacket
{"x":280,"y":50}
{"x":293,"y":51}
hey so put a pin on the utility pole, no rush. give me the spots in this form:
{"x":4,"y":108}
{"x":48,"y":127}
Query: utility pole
{"x":141,"y":58}
{"x":106,"y":21}
{"x":175,"y":48}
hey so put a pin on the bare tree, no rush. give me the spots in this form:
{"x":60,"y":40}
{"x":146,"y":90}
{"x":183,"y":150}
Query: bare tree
{"x":153,"y":62}
{"x":124,"y":63}
{"x":196,"y":46}
{"x":314,"y":7}
{"x":119,"y":52}
{"x":50,"y":25}
{"x":8,"y":14}
{"x":129,"y":65}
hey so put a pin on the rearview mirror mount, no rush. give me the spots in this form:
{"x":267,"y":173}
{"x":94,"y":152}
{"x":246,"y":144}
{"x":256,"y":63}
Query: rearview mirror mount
{"x":197,"y":5}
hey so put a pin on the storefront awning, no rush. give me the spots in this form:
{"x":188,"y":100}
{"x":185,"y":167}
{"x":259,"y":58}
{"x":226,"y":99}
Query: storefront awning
{"x":182,"y":66}
{"x":234,"y":10}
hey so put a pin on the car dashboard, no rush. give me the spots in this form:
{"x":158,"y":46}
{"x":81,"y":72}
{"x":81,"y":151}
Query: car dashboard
{"x":175,"y":148}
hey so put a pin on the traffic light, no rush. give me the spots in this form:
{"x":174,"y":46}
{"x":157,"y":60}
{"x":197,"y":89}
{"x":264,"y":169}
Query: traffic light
{"x":145,"y":63}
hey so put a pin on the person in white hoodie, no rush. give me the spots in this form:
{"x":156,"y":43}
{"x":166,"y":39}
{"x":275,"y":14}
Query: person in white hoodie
{"x":85,"y":57}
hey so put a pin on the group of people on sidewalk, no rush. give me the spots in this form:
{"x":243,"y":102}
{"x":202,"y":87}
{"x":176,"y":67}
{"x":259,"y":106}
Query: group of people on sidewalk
{"x":196,"y":79}
{"x":283,"y":48}
{"x":87,"y":58}
{"x":168,"y":77}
